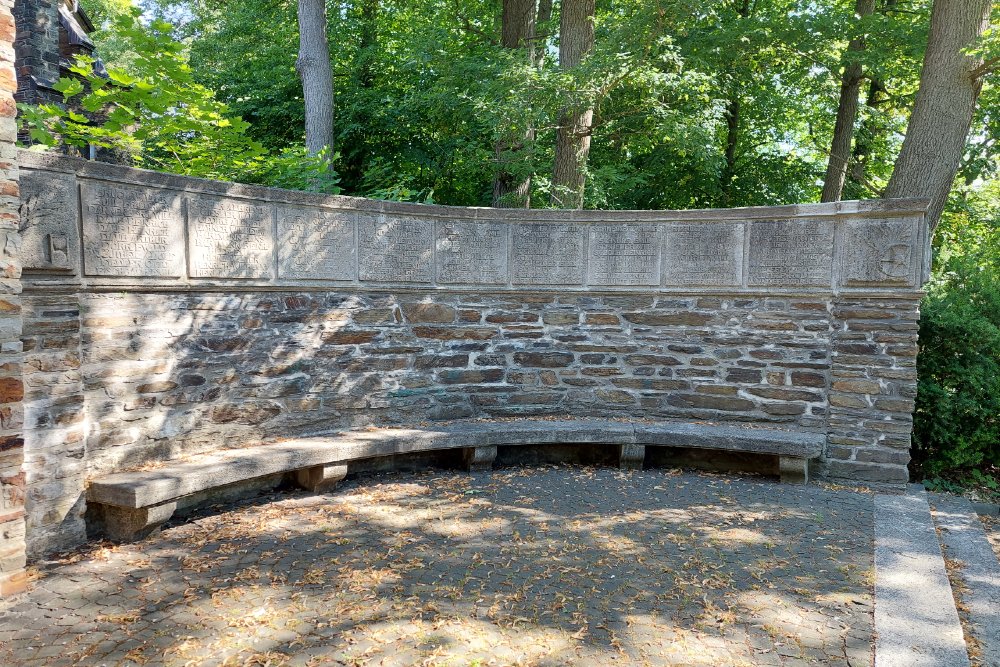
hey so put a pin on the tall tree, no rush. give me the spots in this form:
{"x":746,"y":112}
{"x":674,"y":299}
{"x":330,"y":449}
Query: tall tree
{"x":576,"y":40}
{"x":950,"y":83}
{"x":847,"y":112}
{"x":732,"y":124}
{"x":511,"y":189}
{"x":313,"y":66}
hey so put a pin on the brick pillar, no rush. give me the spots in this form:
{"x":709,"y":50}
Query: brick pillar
{"x":37,"y":50}
{"x":873,"y":386}
{"x":12,"y":477}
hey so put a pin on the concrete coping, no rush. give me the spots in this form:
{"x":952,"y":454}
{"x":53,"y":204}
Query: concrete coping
{"x":174,"y":480}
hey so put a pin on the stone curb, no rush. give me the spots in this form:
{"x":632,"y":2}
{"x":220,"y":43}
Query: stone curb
{"x":963,"y":537}
{"x":986,"y":509}
{"x":916,"y":622}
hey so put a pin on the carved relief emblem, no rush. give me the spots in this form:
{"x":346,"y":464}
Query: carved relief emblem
{"x":879,"y":251}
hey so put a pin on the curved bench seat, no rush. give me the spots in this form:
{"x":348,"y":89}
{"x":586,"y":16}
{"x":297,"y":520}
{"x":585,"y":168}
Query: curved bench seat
{"x":135,"y":503}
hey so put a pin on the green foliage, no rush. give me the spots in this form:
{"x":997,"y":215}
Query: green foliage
{"x":430,"y":108}
{"x":957,"y":420}
{"x":157,"y":112}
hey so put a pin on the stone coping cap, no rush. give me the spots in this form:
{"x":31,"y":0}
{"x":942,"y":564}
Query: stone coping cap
{"x":146,"y":488}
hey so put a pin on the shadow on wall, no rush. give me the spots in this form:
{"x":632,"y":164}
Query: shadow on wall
{"x":182,"y":327}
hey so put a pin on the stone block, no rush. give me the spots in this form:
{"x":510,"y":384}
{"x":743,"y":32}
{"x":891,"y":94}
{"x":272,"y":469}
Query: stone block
{"x":624,"y":255}
{"x":703,"y":254}
{"x":127,"y":524}
{"x":790,"y":252}
{"x":322,"y":478}
{"x":131,"y":231}
{"x":230,"y":238}
{"x":393,"y":249}
{"x":631,"y":456}
{"x":793,"y":470}
{"x":880,"y":251}
{"x":50,"y":237}
{"x":316,"y":244}
{"x":472,"y":252}
{"x":548,"y":254}
{"x":479,"y":459}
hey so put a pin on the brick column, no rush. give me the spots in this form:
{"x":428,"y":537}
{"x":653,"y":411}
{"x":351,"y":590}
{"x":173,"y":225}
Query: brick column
{"x":37,"y":50}
{"x":12,"y":477}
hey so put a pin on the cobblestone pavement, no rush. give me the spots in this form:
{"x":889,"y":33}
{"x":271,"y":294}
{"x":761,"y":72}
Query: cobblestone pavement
{"x":537,"y":566}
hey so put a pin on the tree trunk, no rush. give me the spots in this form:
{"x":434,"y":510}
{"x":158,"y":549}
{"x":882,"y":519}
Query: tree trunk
{"x":732,"y":140}
{"x":313,"y":66}
{"x":576,"y":39}
{"x":517,"y":32}
{"x":847,"y":113}
{"x":943,"y":108}
{"x":537,"y":39}
{"x":732,"y":128}
{"x":856,"y":186}
{"x":368,"y":43}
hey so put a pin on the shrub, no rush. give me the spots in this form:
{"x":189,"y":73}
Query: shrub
{"x":957,"y":419}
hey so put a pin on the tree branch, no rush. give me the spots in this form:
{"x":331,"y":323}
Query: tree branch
{"x":469,"y":27}
{"x":987,"y":67}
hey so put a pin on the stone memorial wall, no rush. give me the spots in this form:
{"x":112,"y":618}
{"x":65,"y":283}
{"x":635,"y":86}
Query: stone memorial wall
{"x":167,"y":315}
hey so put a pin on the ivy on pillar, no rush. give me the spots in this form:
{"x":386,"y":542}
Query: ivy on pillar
{"x":12,"y":476}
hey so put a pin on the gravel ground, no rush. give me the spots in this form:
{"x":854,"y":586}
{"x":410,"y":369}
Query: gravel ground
{"x":542,"y":566}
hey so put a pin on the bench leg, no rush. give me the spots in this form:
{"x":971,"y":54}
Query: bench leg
{"x":630,"y":457}
{"x":479,"y":459}
{"x":320,"y":479}
{"x":793,"y":470}
{"x":125,"y":524}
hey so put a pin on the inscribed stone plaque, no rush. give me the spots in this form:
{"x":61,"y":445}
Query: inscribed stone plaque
{"x":548,"y":254}
{"x":230,"y":238}
{"x":791,"y":252}
{"x":703,"y":253}
{"x":49,"y":235}
{"x":624,"y":255}
{"x":472,"y":252}
{"x":395,"y":250}
{"x":879,"y":251}
{"x":316,"y":245}
{"x":132,"y":231}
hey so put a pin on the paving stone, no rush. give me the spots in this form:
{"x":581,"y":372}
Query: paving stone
{"x":550,"y":565}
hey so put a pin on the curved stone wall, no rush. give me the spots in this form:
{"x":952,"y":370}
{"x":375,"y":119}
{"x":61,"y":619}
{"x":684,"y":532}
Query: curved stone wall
{"x":168,"y":315}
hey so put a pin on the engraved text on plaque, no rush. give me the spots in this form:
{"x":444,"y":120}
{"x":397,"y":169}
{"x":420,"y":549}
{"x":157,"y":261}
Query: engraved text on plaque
{"x":791,"y":252}
{"x":547,"y":254}
{"x":131,"y":231}
{"x":230,"y":238}
{"x":316,"y":245}
{"x":703,"y":253}
{"x":395,"y":249}
{"x":472,"y":252}
{"x":624,"y":255}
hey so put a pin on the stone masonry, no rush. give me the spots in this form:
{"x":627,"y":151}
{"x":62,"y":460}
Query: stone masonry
{"x":37,"y":48}
{"x":12,"y":474}
{"x":167,"y":316}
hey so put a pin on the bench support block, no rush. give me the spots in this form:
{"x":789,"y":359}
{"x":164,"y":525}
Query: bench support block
{"x":126,"y":524}
{"x":479,"y":459}
{"x":320,"y":479}
{"x":630,"y":457}
{"x":793,"y":470}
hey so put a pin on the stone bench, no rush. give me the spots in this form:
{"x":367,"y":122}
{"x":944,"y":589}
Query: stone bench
{"x":133,"y":504}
